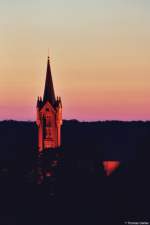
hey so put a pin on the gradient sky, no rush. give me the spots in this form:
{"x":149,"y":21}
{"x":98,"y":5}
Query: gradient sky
{"x":100,"y":57}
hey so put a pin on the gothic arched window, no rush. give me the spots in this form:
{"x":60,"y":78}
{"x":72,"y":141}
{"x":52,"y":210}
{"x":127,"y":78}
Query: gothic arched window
{"x":48,"y":121}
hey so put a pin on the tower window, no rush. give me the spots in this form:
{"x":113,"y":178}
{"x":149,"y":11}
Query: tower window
{"x":48,"y":122}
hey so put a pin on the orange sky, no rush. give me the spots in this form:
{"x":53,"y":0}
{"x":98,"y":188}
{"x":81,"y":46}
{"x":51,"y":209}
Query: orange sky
{"x":99,"y":51}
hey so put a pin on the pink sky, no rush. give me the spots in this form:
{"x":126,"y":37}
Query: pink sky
{"x":99,"y":59}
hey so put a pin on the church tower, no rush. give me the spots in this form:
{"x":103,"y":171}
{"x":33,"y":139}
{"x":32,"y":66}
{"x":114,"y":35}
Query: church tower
{"x":49,"y":116}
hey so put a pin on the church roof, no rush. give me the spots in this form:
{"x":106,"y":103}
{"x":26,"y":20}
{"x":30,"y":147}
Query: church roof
{"x":49,"y":94}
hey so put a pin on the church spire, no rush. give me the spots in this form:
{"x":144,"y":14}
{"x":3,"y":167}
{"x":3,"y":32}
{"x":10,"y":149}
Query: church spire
{"x":49,"y":94}
{"x":49,"y":116}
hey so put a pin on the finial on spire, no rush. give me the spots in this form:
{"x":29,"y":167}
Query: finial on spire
{"x":48,"y":54}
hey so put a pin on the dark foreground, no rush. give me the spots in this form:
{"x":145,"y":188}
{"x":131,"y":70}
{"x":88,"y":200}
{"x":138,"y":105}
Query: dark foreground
{"x":79,"y":196}
{"x":71,"y":187}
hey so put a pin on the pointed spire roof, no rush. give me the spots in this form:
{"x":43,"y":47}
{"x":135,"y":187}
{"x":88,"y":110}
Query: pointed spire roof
{"x":49,"y":94}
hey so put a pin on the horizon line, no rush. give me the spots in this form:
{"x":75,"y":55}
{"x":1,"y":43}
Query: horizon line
{"x":76,"y":120}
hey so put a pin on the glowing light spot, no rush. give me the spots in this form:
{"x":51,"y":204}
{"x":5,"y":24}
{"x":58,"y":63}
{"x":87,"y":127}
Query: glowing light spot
{"x":48,"y":174}
{"x":110,"y":166}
